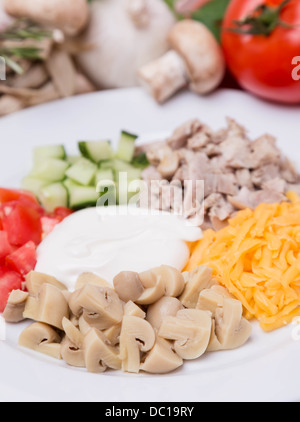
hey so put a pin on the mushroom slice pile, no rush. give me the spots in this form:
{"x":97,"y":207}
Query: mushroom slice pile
{"x":151,"y":321}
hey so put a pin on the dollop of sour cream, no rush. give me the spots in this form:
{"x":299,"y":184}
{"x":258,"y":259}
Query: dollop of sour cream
{"x":108,"y":240}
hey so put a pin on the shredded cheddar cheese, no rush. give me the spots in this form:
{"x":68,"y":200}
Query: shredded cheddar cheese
{"x":257,"y":257}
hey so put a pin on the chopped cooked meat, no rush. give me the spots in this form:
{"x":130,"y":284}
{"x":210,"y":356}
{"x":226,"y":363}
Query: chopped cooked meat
{"x":151,"y":173}
{"x":264,"y":174}
{"x":181,"y":135}
{"x":227,"y":184}
{"x":288,"y":171}
{"x":157,"y":153}
{"x":244,"y":178}
{"x":236,"y":173}
{"x":278,"y":185}
{"x":251,"y":199}
{"x":264,"y":151}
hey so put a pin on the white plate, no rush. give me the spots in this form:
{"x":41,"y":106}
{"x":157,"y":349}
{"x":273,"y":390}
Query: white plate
{"x":266,"y":369}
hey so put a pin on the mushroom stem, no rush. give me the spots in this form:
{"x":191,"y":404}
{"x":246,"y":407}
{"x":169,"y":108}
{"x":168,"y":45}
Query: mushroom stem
{"x":162,"y":78}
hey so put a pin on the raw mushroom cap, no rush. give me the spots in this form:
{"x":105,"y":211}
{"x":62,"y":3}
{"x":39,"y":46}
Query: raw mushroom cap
{"x":203,"y":56}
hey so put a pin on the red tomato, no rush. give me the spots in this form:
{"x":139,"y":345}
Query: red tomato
{"x":61,"y":213}
{"x":5,"y":246}
{"x":8,"y":195}
{"x":23,"y":260}
{"x":9,"y":281}
{"x":262,"y":50}
{"x":48,"y":224}
{"x":22,"y":223}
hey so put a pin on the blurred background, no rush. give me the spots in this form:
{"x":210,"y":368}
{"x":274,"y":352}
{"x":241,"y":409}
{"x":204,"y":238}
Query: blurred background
{"x":53,"y":49}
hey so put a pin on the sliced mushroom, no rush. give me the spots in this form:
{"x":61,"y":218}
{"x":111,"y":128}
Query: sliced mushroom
{"x":90,"y":278}
{"x":161,"y":359}
{"x":35,"y":77}
{"x":41,"y":338}
{"x":210,"y":301}
{"x":231,"y":330}
{"x":74,"y":305}
{"x":199,"y":279}
{"x":166,"y":306}
{"x":72,"y":354}
{"x":99,"y":354}
{"x":113,"y":334}
{"x":172,"y":279}
{"x":131,"y":309}
{"x":49,"y":306}
{"x":191,"y":331}
{"x":101,"y":306}
{"x":128,"y":286}
{"x":152,"y":294}
{"x":35,"y":280}
{"x":84,"y":327}
{"x":137,"y":336}
{"x":15,"y":307}
{"x":72,"y":333}
{"x":213,"y":298}
{"x":62,"y":70}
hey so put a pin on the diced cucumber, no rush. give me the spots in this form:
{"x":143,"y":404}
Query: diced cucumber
{"x":49,"y":151}
{"x":33,"y":185}
{"x":81,"y":196}
{"x":82,"y":172}
{"x":96,"y":151}
{"x":73,"y":159}
{"x":104,"y":175}
{"x":53,"y":196}
{"x":50,"y":169}
{"x":126,"y":146}
{"x":140,"y":161}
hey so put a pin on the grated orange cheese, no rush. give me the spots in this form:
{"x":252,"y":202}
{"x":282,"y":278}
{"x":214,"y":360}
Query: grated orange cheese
{"x":257,"y":257}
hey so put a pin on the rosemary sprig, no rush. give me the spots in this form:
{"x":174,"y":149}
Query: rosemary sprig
{"x":22,"y":30}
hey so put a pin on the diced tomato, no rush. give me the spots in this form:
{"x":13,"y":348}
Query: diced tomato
{"x":48,"y":224}
{"x":9,"y":281}
{"x":23,"y":260}
{"x":61,"y":213}
{"x":22,"y":223}
{"x":5,"y":246}
{"x":8,"y":195}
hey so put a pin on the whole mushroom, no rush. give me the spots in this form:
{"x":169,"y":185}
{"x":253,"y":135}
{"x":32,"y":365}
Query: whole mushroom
{"x":195,"y":60}
{"x":124,"y":35}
